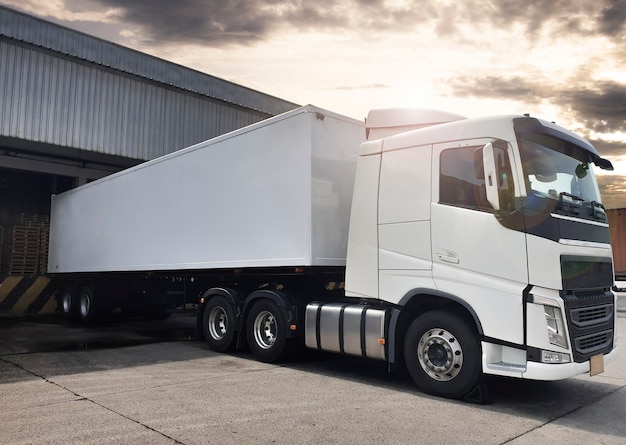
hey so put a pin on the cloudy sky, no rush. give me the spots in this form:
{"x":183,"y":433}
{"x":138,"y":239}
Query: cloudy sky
{"x":563,"y":60}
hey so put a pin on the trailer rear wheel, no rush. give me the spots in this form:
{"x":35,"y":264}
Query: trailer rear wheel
{"x":218,"y":324}
{"x":442,"y":354}
{"x":89,"y":306}
{"x":265,"y":331}
{"x":69,"y":301}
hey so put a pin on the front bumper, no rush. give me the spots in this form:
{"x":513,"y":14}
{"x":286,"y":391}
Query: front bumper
{"x":549,"y":372}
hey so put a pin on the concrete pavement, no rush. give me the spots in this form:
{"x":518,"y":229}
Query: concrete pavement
{"x":180,"y":392}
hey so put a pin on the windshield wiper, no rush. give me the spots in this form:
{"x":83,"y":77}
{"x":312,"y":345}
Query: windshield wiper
{"x":597,"y":211}
{"x":572,"y":205}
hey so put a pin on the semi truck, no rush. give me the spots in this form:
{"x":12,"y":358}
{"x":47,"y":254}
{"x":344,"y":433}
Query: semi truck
{"x":454,"y":247}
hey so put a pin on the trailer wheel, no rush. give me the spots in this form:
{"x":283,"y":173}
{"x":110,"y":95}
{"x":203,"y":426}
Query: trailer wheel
{"x":218,"y":324}
{"x":88,"y":308}
{"x":69,"y":302}
{"x":442,"y":354}
{"x":265,"y":331}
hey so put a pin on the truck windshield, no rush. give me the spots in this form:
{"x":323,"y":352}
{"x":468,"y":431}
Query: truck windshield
{"x":557,"y":170}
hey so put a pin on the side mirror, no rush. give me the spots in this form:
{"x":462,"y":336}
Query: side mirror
{"x":491,"y":176}
{"x":604,"y":164}
{"x":581,"y":170}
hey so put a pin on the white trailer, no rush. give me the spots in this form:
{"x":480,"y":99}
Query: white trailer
{"x":457,"y":247}
{"x":276,"y":193}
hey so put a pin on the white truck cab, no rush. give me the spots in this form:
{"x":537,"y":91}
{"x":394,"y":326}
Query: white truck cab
{"x":487,"y":228}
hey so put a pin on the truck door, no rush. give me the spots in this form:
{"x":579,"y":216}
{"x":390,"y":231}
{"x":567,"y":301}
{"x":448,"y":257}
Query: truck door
{"x":475,"y":258}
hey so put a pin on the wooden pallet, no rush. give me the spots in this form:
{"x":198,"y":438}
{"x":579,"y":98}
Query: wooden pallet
{"x":35,"y":220}
{"x":44,"y":242}
{"x":24,"y":266}
{"x":25,"y":250}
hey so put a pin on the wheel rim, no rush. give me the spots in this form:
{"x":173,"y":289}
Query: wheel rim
{"x":265,"y":329}
{"x":85,"y":305}
{"x":218,"y":323}
{"x":67,"y":303}
{"x":440,"y":354}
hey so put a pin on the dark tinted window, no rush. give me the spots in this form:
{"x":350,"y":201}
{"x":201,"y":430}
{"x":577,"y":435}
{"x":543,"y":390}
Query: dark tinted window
{"x":461,"y":179}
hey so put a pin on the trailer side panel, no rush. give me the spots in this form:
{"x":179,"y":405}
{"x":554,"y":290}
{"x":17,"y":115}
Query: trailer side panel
{"x":276,"y":193}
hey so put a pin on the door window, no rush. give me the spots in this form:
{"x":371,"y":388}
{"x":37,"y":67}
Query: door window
{"x":462,"y":179}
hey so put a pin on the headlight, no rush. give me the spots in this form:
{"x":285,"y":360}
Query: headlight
{"x":556,"y":329}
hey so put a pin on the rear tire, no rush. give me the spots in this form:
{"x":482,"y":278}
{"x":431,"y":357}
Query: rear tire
{"x":442,"y":354}
{"x":218,"y":324}
{"x":89,"y":310}
{"x":69,"y":302}
{"x":266,"y":331}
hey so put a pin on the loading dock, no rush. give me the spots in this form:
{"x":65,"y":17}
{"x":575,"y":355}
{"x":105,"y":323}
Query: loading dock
{"x":76,"y":108}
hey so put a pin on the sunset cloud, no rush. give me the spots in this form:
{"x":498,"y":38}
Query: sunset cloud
{"x":563,"y":60}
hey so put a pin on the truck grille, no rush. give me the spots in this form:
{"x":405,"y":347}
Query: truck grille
{"x":586,"y":316}
{"x":590,"y":319}
{"x":586,"y":272}
{"x":594,"y":343}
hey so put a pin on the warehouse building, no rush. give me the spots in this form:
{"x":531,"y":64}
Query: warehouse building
{"x":75,"y":108}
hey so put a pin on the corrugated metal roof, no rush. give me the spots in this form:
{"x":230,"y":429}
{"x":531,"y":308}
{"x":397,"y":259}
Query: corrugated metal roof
{"x":64,"y":102}
{"x":63,"y":88}
{"x":35,"y":31}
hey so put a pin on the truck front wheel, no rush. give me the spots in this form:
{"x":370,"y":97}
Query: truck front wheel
{"x":218,"y":324}
{"x":265,"y":331}
{"x":442,"y":354}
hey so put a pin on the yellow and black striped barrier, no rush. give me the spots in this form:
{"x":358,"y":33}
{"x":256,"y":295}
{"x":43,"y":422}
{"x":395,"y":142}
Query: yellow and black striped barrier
{"x":26,"y":295}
